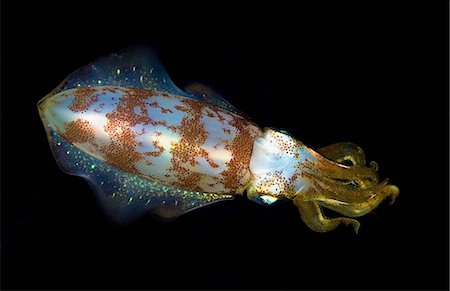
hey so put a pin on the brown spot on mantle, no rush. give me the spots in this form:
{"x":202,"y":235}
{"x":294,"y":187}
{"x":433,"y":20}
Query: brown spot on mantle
{"x":78,"y":131}
{"x":84,"y":97}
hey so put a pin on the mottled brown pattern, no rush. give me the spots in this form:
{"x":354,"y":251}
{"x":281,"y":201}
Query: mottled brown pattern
{"x":125,"y":111}
{"x":241,"y":150}
{"x":84,"y":98}
{"x":78,"y":131}
{"x":122,"y":151}
{"x":186,"y":179}
{"x":133,"y":108}
{"x":121,"y":155}
{"x":184,"y":152}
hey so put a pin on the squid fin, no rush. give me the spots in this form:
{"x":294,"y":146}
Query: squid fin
{"x":135,"y":67}
{"x":206,"y":94}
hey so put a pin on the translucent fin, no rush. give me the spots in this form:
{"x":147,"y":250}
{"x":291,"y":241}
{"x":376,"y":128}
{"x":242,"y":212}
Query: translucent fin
{"x":138,"y":67}
{"x":135,"y":67}
{"x":206,"y":94}
{"x":124,"y":196}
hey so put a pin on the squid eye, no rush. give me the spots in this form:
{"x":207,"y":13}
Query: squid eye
{"x":264,"y":199}
{"x":347,"y":162}
{"x":269,"y":199}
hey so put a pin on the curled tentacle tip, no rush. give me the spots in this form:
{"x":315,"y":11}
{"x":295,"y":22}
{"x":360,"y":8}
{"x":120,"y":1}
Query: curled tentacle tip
{"x":356,"y":227}
{"x":392,"y":191}
{"x":374,"y":165}
{"x":389,"y":191}
{"x":354,"y":223}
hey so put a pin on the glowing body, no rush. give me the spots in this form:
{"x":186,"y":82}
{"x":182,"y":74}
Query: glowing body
{"x":173,"y":139}
{"x":144,"y":145}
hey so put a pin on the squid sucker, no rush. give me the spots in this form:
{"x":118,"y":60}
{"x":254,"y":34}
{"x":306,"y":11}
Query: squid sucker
{"x":146,"y":146}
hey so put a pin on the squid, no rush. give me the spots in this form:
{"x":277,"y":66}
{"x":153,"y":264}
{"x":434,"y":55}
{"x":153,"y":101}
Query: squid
{"x":146,"y":146}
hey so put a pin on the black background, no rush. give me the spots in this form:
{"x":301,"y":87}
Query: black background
{"x":373,"y":73}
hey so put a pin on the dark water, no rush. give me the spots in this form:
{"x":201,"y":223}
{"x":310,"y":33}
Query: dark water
{"x":372,"y":74}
